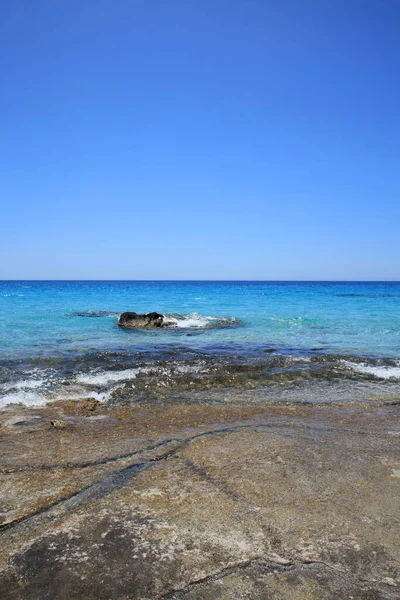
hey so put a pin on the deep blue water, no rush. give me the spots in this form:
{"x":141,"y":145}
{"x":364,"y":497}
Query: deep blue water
{"x":40,"y":319}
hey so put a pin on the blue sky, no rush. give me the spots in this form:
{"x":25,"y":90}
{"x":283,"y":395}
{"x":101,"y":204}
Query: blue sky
{"x":200,"y":139}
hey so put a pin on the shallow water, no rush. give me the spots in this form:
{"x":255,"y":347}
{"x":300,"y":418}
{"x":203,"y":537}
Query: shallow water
{"x":61,"y":339}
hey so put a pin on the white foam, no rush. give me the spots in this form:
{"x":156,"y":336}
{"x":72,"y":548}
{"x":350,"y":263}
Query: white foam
{"x":64,"y":393}
{"x":28,"y":392}
{"x":105,"y":377}
{"x":187,"y":369}
{"x":25,"y":398}
{"x":24,"y":384}
{"x":194,"y":320}
{"x":382,"y":372}
{"x":291,"y":321}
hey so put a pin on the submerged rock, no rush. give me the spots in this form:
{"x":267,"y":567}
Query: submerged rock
{"x":96,"y":313}
{"x":132,"y":320}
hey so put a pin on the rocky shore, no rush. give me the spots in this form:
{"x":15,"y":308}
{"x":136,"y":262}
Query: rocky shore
{"x":201,"y":501}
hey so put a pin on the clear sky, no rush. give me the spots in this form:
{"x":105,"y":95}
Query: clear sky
{"x":200,"y":139}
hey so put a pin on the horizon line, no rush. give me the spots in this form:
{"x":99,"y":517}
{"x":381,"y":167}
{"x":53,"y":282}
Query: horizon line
{"x":209,"y":280}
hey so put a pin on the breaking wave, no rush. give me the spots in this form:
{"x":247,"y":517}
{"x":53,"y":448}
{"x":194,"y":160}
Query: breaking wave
{"x":105,"y":377}
{"x":378,"y":371}
{"x":151,"y":376}
{"x":196,"y":321}
{"x":41,"y":398}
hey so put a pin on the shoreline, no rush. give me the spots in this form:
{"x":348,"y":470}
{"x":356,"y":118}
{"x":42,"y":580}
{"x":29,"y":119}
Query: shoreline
{"x":171,"y":372}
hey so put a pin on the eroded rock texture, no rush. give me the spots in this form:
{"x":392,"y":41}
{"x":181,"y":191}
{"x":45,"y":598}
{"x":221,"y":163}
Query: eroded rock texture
{"x":200,"y":502}
{"x":132,"y":320}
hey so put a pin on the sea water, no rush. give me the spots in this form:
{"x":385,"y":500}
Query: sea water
{"x":62,"y":339}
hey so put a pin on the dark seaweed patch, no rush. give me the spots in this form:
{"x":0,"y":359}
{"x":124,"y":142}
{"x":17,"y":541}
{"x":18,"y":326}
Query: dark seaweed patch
{"x":368,"y":295}
{"x":96,"y":313}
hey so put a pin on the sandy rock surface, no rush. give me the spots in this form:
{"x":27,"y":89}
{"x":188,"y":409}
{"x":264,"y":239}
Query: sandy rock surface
{"x":200,"y":502}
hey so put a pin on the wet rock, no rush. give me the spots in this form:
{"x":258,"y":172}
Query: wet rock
{"x":89,"y":405}
{"x":22,"y":420}
{"x":82,"y":407}
{"x":24,"y":423}
{"x":59,"y":424}
{"x":132,"y":320}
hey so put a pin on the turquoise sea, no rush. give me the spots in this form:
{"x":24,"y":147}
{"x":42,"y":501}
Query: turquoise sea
{"x":61,"y":339}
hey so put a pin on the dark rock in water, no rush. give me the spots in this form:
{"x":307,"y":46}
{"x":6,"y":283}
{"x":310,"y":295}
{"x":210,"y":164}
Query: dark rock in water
{"x":132,"y":320}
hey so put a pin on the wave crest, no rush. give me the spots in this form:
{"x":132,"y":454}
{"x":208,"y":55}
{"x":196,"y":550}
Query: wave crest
{"x":196,"y":321}
{"x":377,"y":371}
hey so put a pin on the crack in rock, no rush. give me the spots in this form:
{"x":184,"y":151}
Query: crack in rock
{"x":104,"y":485}
{"x":275,"y":567}
{"x":104,"y":461}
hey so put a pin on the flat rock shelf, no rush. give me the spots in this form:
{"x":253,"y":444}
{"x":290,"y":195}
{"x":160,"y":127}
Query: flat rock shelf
{"x":200,"y":502}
